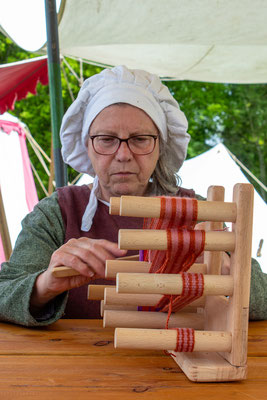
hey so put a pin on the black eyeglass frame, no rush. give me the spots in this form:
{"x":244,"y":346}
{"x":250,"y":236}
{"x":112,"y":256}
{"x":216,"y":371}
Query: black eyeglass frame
{"x":155,"y":137}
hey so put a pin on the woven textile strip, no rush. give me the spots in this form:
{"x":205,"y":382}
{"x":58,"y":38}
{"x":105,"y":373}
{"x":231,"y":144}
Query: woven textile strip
{"x":184,"y":245}
{"x":193,"y":287}
{"x":185,"y":340}
{"x":176,"y":212}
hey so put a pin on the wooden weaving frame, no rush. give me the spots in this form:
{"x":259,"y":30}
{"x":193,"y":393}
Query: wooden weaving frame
{"x":221,"y":313}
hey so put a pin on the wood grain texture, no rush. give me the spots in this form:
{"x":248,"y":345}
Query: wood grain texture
{"x":75,"y":359}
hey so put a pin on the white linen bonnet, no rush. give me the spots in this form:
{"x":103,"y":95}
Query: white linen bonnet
{"x":120,"y":85}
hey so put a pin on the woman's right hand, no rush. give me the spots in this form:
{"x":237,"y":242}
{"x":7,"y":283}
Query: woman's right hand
{"x":87,"y":256}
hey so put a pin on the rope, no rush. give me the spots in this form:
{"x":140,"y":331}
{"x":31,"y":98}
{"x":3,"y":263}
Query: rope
{"x":39,"y":180}
{"x":247,"y":170}
{"x":67,"y":82}
{"x":33,"y":142}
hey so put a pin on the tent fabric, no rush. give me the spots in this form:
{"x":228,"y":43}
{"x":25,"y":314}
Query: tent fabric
{"x":212,"y":41}
{"x":8,"y":127}
{"x":2,"y":253}
{"x":20,"y":78}
{"x":16,"y":179}
{"x":216,"y":167}
{"x":199,"y":40}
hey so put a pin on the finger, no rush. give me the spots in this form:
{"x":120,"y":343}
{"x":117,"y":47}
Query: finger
{"x":73,"y":261}
{"x":83,"y":259}
{"x":84,"y":255}
{"x":111,"y":247}
{"x":91,"y":251}
{"x":95,"y":257}
{"x":105,"y":250}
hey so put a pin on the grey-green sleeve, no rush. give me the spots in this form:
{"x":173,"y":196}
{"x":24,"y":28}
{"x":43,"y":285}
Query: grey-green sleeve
{"x":42,"y":233}
{"x":258,"y":293}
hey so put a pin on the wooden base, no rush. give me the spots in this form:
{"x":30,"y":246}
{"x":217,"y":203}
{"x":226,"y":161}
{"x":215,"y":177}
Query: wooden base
{"x":208,"y":367}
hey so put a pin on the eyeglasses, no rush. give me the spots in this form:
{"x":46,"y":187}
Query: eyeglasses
{"x":139,"y":144}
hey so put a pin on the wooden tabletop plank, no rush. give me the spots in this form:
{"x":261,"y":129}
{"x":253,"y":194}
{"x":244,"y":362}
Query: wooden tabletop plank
{"x":82,"y":337}
{"x":118,"y":378}
{"x":76,"y":359}
{"x":257,"y":339}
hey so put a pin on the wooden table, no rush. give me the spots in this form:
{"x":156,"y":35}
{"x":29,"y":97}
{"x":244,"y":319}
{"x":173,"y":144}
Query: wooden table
{"x":75,"y":359}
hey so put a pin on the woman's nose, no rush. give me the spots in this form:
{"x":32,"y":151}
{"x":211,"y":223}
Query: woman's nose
{"x":124,"y":153}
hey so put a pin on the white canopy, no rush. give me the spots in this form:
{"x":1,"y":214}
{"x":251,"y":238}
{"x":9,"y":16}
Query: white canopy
{"x":202,"y":40}
{"x":207,"y":40}
{"x":216,"y":167}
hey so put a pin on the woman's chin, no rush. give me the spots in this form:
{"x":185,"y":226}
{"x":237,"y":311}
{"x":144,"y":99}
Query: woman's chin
{"x":128,"y":190}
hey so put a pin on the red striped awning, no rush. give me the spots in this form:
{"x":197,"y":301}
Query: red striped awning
{"x":20,"y":78}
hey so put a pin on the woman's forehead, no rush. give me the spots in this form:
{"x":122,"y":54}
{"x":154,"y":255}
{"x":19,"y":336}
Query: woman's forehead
{"x":125,"y":117}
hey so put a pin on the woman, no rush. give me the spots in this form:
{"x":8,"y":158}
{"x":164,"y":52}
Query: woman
{"x":127,"y":130}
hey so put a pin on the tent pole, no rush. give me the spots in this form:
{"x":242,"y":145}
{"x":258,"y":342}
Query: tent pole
{"x":56,"y":101}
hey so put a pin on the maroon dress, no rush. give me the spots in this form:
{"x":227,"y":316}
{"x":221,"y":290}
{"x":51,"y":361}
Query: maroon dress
{"x":73,"y":201}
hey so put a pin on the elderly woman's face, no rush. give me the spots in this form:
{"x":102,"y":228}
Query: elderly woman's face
{"x":123,"y":173}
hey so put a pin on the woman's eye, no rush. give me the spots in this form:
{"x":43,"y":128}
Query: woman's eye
{"x":106,"y":140}
{"x":140,"y":139}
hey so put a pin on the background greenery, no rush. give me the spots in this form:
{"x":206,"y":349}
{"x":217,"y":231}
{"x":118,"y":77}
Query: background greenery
{"x":233,"y":114}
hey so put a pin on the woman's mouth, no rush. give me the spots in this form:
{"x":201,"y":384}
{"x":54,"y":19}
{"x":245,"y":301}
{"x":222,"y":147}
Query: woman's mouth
{"x":123,"y":173}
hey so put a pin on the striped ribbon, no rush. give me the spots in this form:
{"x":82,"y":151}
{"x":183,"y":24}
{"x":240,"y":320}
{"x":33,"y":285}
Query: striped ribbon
{"x":185,"y":340}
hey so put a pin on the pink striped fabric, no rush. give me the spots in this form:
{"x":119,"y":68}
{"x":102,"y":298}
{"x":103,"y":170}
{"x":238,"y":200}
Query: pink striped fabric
{"x":2,"y":253}
{"x":30,"y":189}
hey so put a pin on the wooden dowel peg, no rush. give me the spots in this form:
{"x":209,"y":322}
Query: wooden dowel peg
{"x":151,"y":320}
{"x":117,"y":307}
{"x":165,"y":339}
{"x":63,"y":272}
{"x":156,"y":239}
{"x":121,"y":307}
{"x":96,"y":292}
{"x":134,"y":257}
{"x":171,"y":284}
{"x":115,"y":266}
{"x":149,"y":207}
{"x":111,"y":297}
{"x":114,"y":205}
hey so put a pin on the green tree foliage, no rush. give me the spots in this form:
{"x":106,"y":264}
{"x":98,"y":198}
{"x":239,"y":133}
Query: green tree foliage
{"x":233,"y":114}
